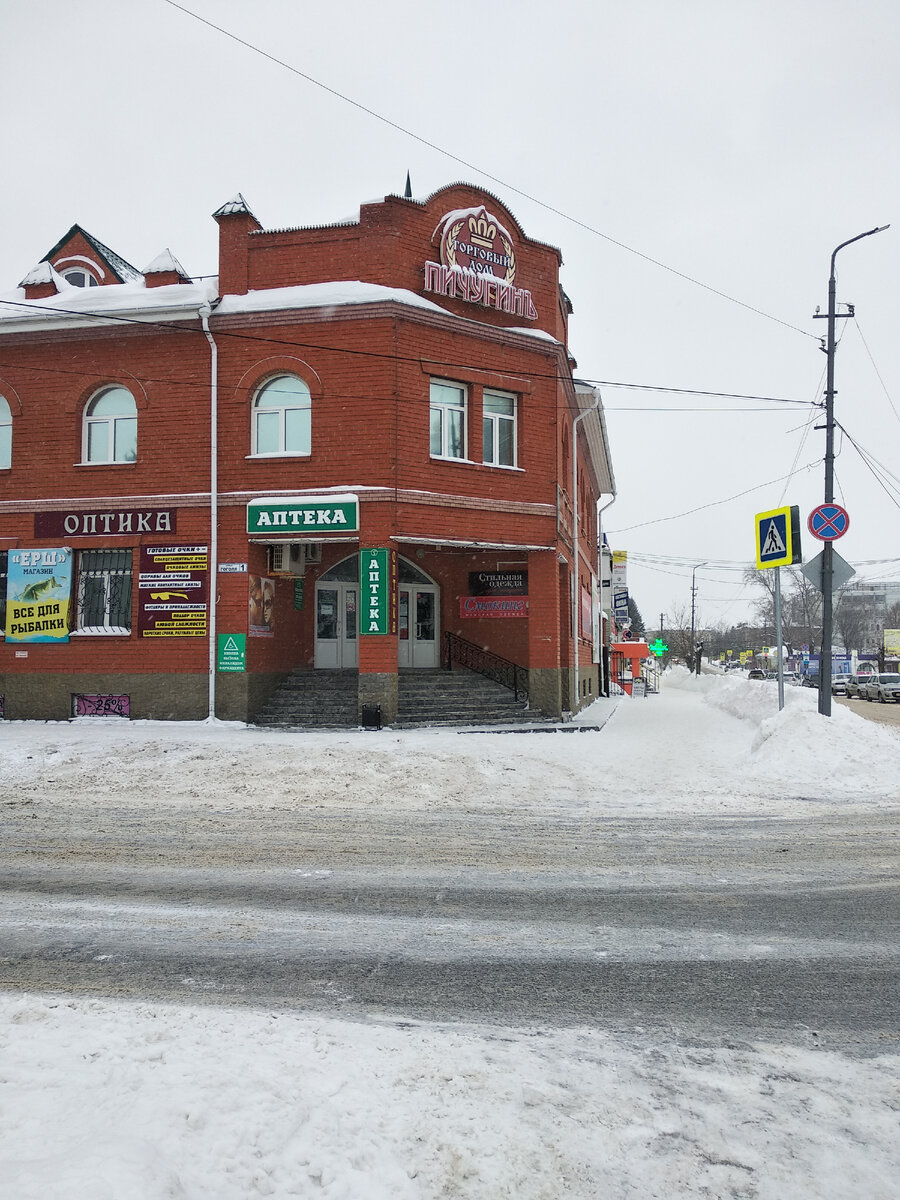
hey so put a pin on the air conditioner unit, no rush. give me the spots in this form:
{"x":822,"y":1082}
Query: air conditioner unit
{"x":291,"y":558}
{"x":286,"y":560}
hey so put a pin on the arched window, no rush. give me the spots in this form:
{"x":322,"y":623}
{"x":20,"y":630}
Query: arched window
{"x":79,"y":277}
{"x":282,"y":417}
{"x":5,"y":435}
{"x":110,"y":427}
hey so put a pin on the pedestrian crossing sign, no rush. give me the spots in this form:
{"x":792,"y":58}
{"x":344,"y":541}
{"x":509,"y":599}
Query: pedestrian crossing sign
{"x":778,"y":537}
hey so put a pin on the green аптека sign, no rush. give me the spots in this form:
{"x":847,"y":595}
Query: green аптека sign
{"x":377,"y":587}
{"x":304,"y":515}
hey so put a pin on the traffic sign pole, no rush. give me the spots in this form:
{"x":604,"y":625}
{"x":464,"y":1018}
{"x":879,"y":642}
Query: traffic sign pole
{"x":828,"y":552}
{"x":780,"y":638}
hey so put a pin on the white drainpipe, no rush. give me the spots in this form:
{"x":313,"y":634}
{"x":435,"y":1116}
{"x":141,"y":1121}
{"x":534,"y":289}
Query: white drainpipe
{"x":204,"y":314}
{"x":575,"y":588}
{"x":600,"y":513}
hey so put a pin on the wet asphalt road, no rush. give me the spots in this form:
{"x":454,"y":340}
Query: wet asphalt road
{"x":733,"y":927}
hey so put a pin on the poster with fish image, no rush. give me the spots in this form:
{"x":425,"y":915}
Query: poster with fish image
{"x":38,"y":591}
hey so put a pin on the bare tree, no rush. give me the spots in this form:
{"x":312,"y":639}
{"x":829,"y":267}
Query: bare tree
{"x":803,"y":610}
{"x":764,"y":604}
{"x":678,"y":635}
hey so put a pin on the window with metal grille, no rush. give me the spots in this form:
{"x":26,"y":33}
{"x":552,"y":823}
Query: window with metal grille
{"x":104,"y":591}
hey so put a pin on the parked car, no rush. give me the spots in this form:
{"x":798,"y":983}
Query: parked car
{"x":839,"y":685}
{"x":756,"y":674}
{"x":884,"y":686}
{"x":854,"y":682}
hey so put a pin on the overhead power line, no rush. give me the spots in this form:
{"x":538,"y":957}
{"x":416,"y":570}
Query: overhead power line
{"x":183,"y":327}
{"x":371,"y":112}
{"x":713,"y":503}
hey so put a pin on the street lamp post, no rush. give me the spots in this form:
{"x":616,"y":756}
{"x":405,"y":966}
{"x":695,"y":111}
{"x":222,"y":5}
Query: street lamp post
{"x":828,"y":551}
{"x":695,"y":665}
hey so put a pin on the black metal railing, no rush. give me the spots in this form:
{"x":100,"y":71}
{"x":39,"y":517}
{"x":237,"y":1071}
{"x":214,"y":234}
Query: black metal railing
{"x":459,"y":652}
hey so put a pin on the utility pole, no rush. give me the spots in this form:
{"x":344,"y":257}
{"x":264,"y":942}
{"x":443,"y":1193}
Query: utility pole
{"x":828,"y":551}
{"x":695,"y":657}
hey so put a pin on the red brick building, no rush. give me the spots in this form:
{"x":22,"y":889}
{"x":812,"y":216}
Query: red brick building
{"x":361,"y":447}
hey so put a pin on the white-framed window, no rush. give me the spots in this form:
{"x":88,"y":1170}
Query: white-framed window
{"x":104,"y":591}
{"x":110,"y":427}
{"x":448,"y":419}
{"x":499,"y":426}
{"x":5,"y":435}
{"x":282,"y":417}
{"x":79,"y":277}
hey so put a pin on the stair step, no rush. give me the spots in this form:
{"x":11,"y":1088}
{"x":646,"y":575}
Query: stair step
{"x":324,"y":699}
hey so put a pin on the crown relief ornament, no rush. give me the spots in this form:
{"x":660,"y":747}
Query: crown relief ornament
{"x":477,"y":242}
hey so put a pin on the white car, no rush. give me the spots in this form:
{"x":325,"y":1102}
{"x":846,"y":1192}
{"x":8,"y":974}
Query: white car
{"x":884,"y":686}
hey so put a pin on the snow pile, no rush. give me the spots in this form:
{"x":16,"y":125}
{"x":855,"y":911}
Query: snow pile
{"x":845,"y":750}
{"x":132,"y":1101}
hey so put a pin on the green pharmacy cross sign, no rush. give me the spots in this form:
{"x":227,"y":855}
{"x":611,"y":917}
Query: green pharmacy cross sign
{"x":658,"y":647}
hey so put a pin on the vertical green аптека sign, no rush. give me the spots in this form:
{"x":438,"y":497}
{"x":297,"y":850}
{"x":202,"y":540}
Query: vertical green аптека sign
{"x":375,"y":591}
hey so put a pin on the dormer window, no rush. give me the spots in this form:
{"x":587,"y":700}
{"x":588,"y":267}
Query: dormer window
{"x":79,"y":277}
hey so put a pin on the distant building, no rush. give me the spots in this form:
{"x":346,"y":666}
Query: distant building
{"x":360,"y":448}
{"x":861,"y":612}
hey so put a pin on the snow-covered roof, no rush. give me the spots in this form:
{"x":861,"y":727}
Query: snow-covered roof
{"x":74,"y":305}
{"x":123,"y":270}
{"x":43,"y":272}
{"x":166,"y":261}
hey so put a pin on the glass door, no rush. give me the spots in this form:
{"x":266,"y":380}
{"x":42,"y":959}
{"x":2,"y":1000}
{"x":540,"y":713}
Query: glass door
{"x":417,"y":626}
{"x":336,"y":626}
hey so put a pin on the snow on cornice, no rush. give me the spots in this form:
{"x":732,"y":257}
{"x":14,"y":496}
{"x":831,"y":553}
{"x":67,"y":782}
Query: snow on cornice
{"x":82,"y":307}
{"x":322,"y":295}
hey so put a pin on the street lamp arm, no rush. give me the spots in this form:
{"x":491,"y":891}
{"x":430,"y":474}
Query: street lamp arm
{"x":850,"y":241}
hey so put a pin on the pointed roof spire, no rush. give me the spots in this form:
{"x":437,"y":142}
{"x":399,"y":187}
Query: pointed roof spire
{"x":164,"y":263}
{"x":237,"y":204}
{"x":407,"y":195}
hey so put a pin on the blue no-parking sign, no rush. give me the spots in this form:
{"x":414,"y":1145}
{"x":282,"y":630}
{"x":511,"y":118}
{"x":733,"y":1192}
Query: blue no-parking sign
{"x":828,"y":522}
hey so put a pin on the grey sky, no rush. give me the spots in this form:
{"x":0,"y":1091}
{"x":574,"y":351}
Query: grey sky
{"x":738,"y":145}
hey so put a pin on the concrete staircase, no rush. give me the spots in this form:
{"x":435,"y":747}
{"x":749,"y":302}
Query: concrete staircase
{"x":328,"y":700}
{"x":313,"y":700}
{"x":457,"y":697}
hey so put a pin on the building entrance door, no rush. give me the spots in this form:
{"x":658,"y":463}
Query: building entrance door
{"x":337,"y":647}
{"x":417,"y":625}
